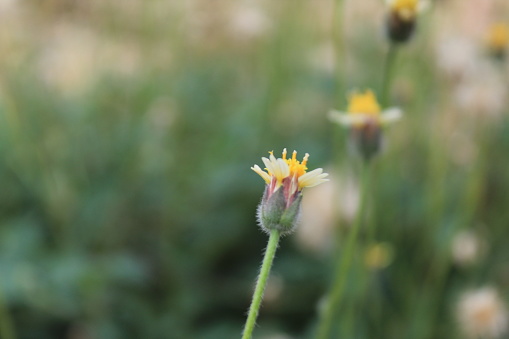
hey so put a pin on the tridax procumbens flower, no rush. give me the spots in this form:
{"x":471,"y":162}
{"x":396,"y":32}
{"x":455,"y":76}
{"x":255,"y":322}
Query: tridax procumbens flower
{"x":402,"y":18}
{"x":285,"y":178}
{"x":482,"y":313}
{"x":498,"y":39}
{"x":365,"y":119}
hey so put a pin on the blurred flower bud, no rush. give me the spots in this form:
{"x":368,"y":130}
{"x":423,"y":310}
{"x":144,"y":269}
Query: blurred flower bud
{"x":366,"y":139}
{"x":498,"y":40}
{"x":399,"y":30}
{"x":401,"y":19}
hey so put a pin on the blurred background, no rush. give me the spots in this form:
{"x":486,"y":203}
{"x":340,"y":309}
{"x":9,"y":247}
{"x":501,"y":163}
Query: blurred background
{"x":127,"y":203}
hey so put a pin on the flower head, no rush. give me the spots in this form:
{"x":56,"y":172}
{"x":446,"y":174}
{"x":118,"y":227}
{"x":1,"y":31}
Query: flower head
{"x":378,"y":256}
{"x":498,"y":38}
{"x":467,"y":248}
{"x":405,"y":9}
{"x":285,"y":178}
{"x":365,"y":118}
{"x":402,"y":17}
{"x":363,"y":109}
{"x":482,"y":314}
{"x":364,"y":103}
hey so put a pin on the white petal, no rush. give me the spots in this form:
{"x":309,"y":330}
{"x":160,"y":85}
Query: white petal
{"x":283,"y":169}
{"x":391,"y":115}
{"x":347,"y":119}
{"x":313,"y":178}
{"x":277,"y":167}
{"x":262,"y":173}
{"x":269,"y":165}
{"x":313,"y":182}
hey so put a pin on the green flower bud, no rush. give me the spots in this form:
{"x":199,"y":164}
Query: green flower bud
{"x":366,"y":140}
{"x":402,"y":17}
{"x":399,"y":30}
{"x":273,"y":212}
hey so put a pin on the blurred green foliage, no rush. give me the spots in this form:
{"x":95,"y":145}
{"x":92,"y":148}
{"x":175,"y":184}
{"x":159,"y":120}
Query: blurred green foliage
{"x":127,"y":208}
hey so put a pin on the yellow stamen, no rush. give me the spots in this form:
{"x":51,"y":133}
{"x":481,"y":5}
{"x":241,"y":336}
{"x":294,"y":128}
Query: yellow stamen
{"x":305,"y":159}
{"x":296,"y":167}
{"x":277,"y":170}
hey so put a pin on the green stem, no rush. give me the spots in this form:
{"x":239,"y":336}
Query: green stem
{"x":339,"y":69}
{"x":337,"y":37}
{"x":369,"y":224}
{"x":340,"y":278}
{"x":476,"y":178}
{"x":260,"y":284}
{"x":388,"y":74}
{"x":6,"y":324}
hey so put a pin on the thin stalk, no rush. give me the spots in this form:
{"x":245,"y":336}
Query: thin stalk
{"x":476,"y":179}
{"x":388,"y":73}
{"x":340,"y":278}
{"x":270,"y":252}
{"x":6,"y":324}
{"x":339,"y":69}
{"x":369,"y":211}
{"x":337,"y":37}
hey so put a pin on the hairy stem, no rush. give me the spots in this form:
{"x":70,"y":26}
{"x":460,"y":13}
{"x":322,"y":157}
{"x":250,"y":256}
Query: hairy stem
{"x":260,"y":284}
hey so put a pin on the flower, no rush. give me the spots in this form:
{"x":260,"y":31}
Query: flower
{"x":402,"y":17}
{"x":498,"y":39}
{"x":378,"y":256}
{"x":467,"y":247}
{"x":249,"y":21}
{"x":482,"y":314}
{"x":365,"y":118}
{"x":285,"y":180}
{"x":457,"y":55}
{"x":482,"y":92}
{"x":406,"y":10}
{"x":364,"y":109}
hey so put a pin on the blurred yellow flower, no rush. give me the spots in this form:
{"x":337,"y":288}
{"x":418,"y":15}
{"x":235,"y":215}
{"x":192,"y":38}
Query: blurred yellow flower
{"x":365,"y":119}
{"x":365,"y":103}
{"x":406,"y":10}
{"x":362,"y":109}
{"x":378,"y":256}
{"x":498,"y":36}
